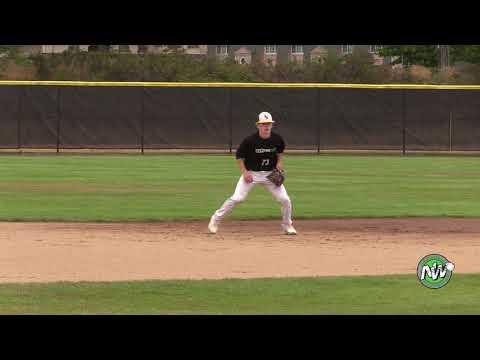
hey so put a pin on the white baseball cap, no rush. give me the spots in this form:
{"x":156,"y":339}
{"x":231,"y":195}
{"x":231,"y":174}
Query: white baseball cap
{"x":265,"y":118}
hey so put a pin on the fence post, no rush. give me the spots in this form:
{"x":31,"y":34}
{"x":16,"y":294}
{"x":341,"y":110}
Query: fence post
{"x":450,"y":132}
{"x":452,"y":98}
{"x":317,"y":116}
{"x":59,"y":115}
{"x":403,"y":122}
{"x":19,"y":116}
{"x":230,"y":123}
{"x":142,"y":119}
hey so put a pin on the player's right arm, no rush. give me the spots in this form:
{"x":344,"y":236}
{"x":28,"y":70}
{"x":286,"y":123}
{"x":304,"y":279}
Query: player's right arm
{"x":241,"y":154}
{"x":246,"y":174}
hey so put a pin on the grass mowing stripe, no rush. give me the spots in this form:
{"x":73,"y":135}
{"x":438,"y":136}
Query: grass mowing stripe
{"x":401,"y":294}
{"x":161,"y":187}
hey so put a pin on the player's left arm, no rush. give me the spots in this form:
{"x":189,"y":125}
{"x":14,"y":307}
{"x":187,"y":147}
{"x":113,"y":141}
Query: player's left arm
{"x":280,"y":150}
{"x":280,"y":161}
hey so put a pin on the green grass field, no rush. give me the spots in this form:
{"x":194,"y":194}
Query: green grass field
{"x":151,"y":188}
{"x":330,"y":295}
{"x":169,"y":187}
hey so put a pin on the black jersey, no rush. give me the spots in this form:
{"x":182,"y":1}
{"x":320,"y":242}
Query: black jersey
{"x":260,"y":154}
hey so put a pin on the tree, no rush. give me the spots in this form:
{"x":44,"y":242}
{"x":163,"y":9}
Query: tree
{"x":425,"y":55}
{"x":100,"y":48}
{"x":11,"y":54}
{"x":9,"y":50}
{"x":465,"y":53}
{"x":358,"y":67}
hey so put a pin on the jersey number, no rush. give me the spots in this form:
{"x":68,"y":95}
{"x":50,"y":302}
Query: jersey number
{"x":265,"y":162}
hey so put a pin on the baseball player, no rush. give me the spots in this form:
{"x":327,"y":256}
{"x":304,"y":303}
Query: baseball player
{"x":257,"y":156}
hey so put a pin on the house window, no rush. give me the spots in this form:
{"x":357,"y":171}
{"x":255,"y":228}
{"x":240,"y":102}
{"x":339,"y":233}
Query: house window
{"x":271,"y":49}
{"x":374,"y":49}
{"x":222,"y":49}
{"x":297,"y":49}
{"x":347,"y":49}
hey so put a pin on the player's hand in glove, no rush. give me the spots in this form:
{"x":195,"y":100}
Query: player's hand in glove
{"x":277,"y":177}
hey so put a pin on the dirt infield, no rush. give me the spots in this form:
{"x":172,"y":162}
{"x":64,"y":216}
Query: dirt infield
{"x":45,"y":252}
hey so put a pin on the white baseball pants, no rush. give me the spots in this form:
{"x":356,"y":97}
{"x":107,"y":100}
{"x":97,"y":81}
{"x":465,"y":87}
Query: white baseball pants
{"x":243,"y":188}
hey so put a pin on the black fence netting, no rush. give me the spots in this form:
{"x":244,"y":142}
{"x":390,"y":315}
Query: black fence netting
{"x":76,"y":116}
{"x":9,"y":116}
{"x":465,"y":120}
{"x":360,"y":119}
{"x":186,"y":117}
{"x":38,"y":118}
{"x":92,"y":117}
{"x":427,"y":119}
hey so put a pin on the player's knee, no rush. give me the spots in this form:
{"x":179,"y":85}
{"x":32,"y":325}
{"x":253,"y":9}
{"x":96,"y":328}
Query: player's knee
{"x":238,"y":198}
{"x":285,"y":200}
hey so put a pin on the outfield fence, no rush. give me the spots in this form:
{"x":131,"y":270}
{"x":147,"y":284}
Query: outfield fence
{"x":142,"y":115}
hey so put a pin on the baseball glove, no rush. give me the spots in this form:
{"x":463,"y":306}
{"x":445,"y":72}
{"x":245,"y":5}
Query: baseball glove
{"x":277,"y":177}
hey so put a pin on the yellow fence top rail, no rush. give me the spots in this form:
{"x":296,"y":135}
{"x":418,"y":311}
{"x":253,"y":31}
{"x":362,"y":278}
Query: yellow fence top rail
{"x":242,"y":85}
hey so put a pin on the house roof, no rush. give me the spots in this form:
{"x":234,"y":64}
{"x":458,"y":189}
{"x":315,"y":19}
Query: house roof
{"x":243,"y":51}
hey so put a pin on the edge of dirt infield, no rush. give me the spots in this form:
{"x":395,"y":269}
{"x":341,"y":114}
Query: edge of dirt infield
{"x":52,"y":252}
